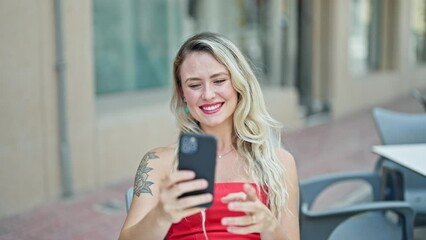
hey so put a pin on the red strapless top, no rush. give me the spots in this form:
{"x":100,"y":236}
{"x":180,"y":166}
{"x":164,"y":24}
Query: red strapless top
{"x":191,"y":228}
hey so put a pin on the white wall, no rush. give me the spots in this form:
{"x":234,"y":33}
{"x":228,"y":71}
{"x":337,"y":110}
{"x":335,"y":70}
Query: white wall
{"x":28,"y":126}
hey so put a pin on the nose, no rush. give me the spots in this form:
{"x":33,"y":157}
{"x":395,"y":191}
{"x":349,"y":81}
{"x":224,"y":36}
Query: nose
{"x":209,"y":92}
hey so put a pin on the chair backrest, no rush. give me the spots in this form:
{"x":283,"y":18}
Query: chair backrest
{"x":400,"y":128}
{"x":420,"y":97}
{"x":355,"y":221}
{"x":403,"y":128}
{"x":128,"y":197}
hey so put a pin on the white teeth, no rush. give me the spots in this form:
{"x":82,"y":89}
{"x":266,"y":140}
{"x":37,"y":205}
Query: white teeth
{"x":211,"y":108}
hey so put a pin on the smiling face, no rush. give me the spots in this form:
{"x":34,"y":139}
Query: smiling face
{"x":207,"y":89}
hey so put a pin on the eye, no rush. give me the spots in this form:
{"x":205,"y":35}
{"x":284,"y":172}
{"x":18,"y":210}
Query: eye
{"x":194,"y":86}
{"x":219,"y":81}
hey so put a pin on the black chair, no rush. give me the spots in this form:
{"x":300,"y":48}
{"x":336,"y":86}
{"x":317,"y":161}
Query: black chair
{"x":371,"y":220}
{"x":403,"y":128}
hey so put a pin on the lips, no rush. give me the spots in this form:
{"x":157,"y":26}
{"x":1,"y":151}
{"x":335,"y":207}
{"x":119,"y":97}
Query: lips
{"x":211,"y":108}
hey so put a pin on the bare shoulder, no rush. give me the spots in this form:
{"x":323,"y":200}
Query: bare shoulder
{"x":290,"y":220}
{"x":161,"y":156}
{"x":154,"y":165}
{"x":286,"y":158}
{"x":290,"y":168}
{"x":165,"y":154}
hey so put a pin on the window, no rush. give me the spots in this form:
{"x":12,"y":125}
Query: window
{"x":270,"y":32}
{"x":132,"y":43}
{"x":288,"y":25}
{"x":135,"y":40}
{"x":265,"y":31}
{"x":418,"y":31}
{"x":364,"y":37}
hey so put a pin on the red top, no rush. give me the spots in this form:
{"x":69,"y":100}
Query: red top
{"x":191,"y":228}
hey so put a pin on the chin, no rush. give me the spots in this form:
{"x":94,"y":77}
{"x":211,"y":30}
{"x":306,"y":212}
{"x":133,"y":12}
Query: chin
{"x":210,"y":124}
{"x":213,"y":122}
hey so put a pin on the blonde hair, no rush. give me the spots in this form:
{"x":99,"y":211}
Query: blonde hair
{"x":258,"y":135}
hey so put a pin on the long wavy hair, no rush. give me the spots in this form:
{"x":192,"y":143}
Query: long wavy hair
{"x":257,"y":134}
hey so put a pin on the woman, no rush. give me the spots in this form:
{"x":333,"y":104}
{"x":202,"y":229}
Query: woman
{"x":256,"y":185}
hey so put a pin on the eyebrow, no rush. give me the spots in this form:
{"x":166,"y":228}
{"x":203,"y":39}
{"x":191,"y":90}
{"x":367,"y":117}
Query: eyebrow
{"x":212,"y":76}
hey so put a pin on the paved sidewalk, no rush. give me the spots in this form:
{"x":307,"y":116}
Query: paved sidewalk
{"x":339,"y":145}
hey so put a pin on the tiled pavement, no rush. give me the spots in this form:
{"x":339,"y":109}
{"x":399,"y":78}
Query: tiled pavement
{"x":339,"y":145}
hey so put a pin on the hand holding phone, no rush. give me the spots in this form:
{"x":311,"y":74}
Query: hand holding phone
{"x":197,"y":152}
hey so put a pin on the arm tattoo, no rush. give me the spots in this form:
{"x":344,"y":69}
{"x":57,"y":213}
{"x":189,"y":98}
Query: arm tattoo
{"x":141,"y":180}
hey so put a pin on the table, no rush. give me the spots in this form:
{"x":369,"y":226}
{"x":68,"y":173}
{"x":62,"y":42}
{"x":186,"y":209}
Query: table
{"x":411,"y":156}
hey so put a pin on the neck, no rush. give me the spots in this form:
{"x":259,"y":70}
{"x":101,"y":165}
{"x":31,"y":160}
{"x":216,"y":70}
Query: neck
{"x":224,"y":134}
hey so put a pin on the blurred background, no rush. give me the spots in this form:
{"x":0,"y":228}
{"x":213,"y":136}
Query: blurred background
{"x":85,"y":85}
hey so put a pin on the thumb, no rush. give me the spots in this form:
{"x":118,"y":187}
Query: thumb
{"x":250,"y":191}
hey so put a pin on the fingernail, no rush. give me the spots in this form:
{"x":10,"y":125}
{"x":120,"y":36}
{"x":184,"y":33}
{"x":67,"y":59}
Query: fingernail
{"x":204,"y":183}
{"x":224,"y":221}
{"x":209,"y":197}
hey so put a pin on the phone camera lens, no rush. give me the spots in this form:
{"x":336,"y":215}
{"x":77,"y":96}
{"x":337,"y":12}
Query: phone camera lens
{"x":189,"y":144}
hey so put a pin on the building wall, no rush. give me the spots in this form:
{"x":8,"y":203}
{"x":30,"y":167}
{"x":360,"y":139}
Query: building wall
{"x":127,"y":127}
{"x":28,"y":126}
{"x":80,"y":92}
{"x":351,"y":93}
{"x":29,"y":156}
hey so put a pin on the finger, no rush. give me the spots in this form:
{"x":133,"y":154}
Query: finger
{"x":251,"y":192}
{"x":243,"y":230}
{"x":192,"y":201}
{"x":247,"y":207}
{"x":238,"y":221}
{"x":240,"y":196}
{"x":177,"y":215}
{"x":179,"y":176}
{"x":190,"y":186}
{"x":171,"y":194}
{"x":191,"y":211}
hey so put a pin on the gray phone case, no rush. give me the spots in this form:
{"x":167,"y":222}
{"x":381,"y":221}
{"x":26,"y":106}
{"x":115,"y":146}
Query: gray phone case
{"x":197,"y":152}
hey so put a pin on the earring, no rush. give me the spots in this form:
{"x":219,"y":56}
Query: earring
{"x":187,"y":109}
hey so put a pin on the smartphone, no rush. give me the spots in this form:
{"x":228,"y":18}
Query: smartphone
{"x":197,"y":152}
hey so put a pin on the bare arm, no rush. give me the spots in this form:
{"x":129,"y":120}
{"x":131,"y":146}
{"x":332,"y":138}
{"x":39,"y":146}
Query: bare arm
{"x":289,"y":226}
{"x":155,"y":205}
{"x":144,"y":213}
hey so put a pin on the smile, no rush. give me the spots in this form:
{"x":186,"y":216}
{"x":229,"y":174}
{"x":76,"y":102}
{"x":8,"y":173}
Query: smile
{"x":211,"y":108}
